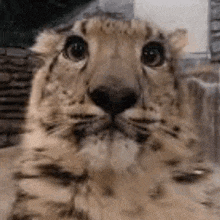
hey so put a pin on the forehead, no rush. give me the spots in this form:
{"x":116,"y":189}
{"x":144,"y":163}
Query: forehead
{"x":104,"y":26}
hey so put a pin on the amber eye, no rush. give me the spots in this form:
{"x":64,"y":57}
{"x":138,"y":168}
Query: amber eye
{"x":153,"y":54}
{"x":75,"y":48}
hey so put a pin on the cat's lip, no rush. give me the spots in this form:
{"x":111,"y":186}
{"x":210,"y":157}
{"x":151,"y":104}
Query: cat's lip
{"x":136,"y":129}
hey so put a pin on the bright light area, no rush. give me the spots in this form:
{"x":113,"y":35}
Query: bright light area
{"x":172,"y":14}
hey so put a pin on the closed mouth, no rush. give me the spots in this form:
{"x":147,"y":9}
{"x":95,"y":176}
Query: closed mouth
{"x":136,"y":129}
{"x":90,"y":125}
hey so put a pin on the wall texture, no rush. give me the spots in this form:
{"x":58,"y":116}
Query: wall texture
{"x":215,"y":30}
{"x":16,"y":65}
{"x":173,"y":14}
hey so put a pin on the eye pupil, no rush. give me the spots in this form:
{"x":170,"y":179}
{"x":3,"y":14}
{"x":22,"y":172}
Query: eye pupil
{"x":75,"y":48}
{"x":78,"y":49}
{"x":153,"y":54}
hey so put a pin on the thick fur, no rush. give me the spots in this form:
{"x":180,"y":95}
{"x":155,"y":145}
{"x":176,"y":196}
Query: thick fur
{"x":76,"y":165}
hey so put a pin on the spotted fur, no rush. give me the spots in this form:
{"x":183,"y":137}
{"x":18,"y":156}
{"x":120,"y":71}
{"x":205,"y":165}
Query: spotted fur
{"x":130,"y":157}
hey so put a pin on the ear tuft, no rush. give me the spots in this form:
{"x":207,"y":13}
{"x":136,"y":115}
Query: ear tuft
{"x":178,"y":39}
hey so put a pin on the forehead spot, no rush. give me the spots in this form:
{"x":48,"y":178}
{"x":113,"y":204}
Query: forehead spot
{"x":149,"y":32}
{"x":156,"y":146}
{"x":161,"y":36}
{"x":83,"y":27}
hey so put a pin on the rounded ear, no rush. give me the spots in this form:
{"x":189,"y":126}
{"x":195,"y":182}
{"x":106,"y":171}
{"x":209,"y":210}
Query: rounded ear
{"x":178,"y":39}
{"x":47,"y":43}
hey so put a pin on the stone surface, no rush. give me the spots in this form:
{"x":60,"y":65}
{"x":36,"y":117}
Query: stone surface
{"x":2,"y":51}
{"x":189,"y":63}
{"x":215,"y":3}
{"x":216,"y":57}
{"x":4,"y":125}
{"x":12,"y":115}
{"x":10,"y":67}
{"x":17,"y":52}
{"x":3,"y":140}
{"x":22,"y":76}
{"x":3,"y":59}
{"x":35,"y":61}
{"x":19,"y":62}
{"x":20,"y":84}
{"x":215,"y":47}
{"x":15,"y":126}
{"x":15,"y":82}
{"x":216,"y":35}
{"x":4,"y":77}
{"x":215,"y":12}
{"x":12,"y":108}
{"x":11,"y":100}
{"x":215,"y":30}
{"x":215,"y":25}
{"x":14,"y":92}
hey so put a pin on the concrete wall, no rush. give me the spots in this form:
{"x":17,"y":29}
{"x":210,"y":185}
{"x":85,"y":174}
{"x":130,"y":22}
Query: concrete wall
{"x":172,"y":14}
{"x":121,"y":6}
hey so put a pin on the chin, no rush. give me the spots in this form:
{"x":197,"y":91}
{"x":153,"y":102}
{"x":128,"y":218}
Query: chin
{"x":110,"y":149}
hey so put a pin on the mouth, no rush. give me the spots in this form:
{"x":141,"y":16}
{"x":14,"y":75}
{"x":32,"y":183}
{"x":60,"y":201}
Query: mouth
{"x":135,"y":129}
{"x":86,"y":126}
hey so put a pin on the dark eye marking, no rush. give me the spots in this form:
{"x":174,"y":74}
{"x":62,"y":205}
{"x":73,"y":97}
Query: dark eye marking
{"x":148,"y":32}
{"x":153,"y":54}
{"x":53,"y":64}
{"x":76,"y":48}
{"x":161,"y":36}
{"x":176,"y":128}
{"x":83,"y":27}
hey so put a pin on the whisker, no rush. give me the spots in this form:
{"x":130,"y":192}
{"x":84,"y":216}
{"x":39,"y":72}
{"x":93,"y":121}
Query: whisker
{"x":81,"y":116}
{"x":144,"y":121}
{"x":171,"y":133}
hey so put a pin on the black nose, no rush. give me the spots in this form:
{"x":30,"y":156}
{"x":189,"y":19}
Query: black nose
{"x":113,"y":100}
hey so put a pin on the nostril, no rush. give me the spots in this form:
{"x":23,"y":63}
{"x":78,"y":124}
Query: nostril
{"x":100,"y":97}
{"x":128,"y":100}
{"x":113,"y":100}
